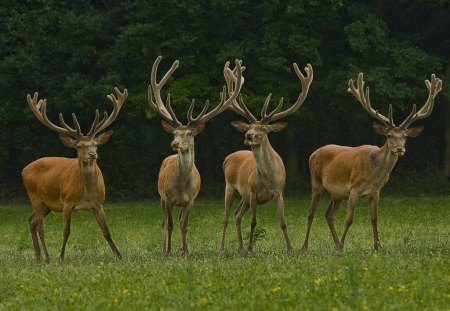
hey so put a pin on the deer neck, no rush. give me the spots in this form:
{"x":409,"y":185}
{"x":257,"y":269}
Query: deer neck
{"x":89,"y":177}
{"x":264,"y":157}
{"x":185,"y":162}
{"x":385,"y":161}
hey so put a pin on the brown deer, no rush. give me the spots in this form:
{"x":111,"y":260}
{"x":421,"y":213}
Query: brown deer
{"x":179,"y":180}
{"x":258,"y":175}
{"x":66,"y":185}
{"x":348,"y":173}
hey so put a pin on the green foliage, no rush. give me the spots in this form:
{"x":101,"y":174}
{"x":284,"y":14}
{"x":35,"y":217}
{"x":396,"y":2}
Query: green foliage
{"x":75,"y":53}
{"x":410,"y":273}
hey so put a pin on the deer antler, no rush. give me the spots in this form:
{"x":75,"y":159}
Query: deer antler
{"x":106,"y":121}
{"x":241,"y":108}
{"x":223,"y":104}
{"x":434,"y":87}
{"x":363,"y":98}
{"x":165,"y":110}
{"x":39,"y":109}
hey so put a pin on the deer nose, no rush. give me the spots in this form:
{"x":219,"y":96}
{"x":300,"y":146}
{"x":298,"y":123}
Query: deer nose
{"x":93,"y":154}
{"x":248,"y":135}
{"x":175,"y":144}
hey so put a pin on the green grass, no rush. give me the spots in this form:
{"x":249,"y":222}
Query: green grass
{"x":411,"y":273}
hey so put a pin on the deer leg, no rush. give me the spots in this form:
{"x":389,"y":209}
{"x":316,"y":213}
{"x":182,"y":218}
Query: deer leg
{"x":315,"y":198}
{"x":229,"y":197}
{"x":352,"y":200}
{"x":280,"y":210}
{"x":242,"y":209}
{"x":164,"y":225}
{"x":40,"y":229}
{"x":67,"y":215}
{"x":253,"y":222}
{"x":184,"y":220}
{"x":99,"y":214}
{"x":169,"y":227}
{"x":373,"y":201}
{"x":32,"y":222}
{"x":330,"y":215}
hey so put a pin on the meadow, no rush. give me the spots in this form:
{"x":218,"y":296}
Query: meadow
{"x":412,"y":272}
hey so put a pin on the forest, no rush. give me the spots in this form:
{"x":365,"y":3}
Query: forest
{"x":75,"y":52}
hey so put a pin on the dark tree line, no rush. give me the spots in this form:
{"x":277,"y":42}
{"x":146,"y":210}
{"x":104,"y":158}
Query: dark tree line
{"x":75,"y":52}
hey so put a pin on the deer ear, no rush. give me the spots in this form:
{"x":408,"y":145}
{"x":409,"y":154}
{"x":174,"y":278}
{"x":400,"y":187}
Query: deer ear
{"x":276,"y":127}
{"x":379,"y":129}
{"x":103,"y":137}
{"x":240,"y":126}
{"x":167,"y":126}
{"x":199,"y":128}
{"x":67,"y":140}
{"x":414,"y":131}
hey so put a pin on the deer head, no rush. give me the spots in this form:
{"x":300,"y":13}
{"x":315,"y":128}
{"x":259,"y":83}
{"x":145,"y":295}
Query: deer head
{"x":256,"y":130}
{"x":184,"y":134}
{"x":396,"y":135}
{"x":86,"y":145}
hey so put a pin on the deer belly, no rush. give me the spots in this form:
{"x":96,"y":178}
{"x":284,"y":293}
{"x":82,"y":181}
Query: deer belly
{"x":338,"y":191}
{"x":180,"y":199}
{"x":264,"y":196}
{"x":85,"y":206}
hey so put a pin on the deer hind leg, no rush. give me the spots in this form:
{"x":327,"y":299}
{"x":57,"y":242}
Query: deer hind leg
{"x":280,"y":210}
{"x":33,"y":222}
{"x":169,"y":227}
{"x":373,"y":201}
{"x":316,"y":194}
{"x":238,"y":214}
{"x":99,"y":214}
{"x":40,"y":215}
{"x":330,"y":216}
{"x":229,"y":198}
{"x":164,"y":226}
{"x":352,"y":200}
{"x":184,"y":220}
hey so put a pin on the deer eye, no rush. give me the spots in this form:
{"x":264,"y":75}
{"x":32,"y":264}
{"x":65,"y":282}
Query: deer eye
{"x":189,"y":133}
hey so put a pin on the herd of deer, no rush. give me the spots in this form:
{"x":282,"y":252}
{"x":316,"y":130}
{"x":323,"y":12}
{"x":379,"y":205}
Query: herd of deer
{"x":346,"y":173}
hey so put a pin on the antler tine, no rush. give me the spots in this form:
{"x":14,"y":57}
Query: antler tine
{"x":39,"y":109}
{"x":156,"y":87}
{"x":171,"y":113}
{"x":306,"y":83}
{"x":264,"y":108}
{"x":363,"y":98}
{"x":280,"y":104}
{"x":95,"y":123}
{"x":434,"y":87}
{"x":224,"y":104}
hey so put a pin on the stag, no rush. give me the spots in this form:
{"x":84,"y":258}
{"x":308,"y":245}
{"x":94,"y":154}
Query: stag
{"x":66,"y":185}
{"x":348,"y":173}
{"x":258,"y":175}
{"x":179,"y":180}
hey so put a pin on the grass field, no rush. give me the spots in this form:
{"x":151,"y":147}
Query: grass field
{"x":411,"y":273}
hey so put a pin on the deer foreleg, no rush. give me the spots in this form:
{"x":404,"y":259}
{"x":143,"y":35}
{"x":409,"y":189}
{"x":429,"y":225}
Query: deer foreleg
{"x":229,"y":197}
{"x":242,"y":209}
{"x":373,"y":202}
{"x":253,"y":205}
{"x":280,"y":211}
{"x":184,"y":220}
{"x":99,"y":214}
{"x":67,"y":215}
{"x":32,"y":222}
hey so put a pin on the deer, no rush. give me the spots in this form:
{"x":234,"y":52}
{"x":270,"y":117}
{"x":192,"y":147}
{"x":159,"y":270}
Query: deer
{"x":179,"y":180}
{"x":258,"y":175}
{"x":349,"y":173}
{"x":56,"y":184}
